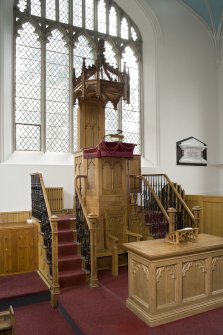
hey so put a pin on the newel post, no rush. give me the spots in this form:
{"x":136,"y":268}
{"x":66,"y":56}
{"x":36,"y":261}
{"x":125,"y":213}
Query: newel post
{"x":196,"y":211}
{"x":172,"y":216}
{"x":54,"y":288}
{"x":94,"y":275}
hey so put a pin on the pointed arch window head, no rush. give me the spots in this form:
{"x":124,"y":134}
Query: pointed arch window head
{"x":47,"y":51}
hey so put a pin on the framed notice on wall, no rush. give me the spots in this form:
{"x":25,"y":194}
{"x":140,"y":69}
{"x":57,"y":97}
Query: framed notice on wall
{"x":191,"y":151}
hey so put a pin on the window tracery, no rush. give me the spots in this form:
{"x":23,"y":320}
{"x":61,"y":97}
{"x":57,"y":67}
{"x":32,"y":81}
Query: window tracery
{"x":51,"y":38}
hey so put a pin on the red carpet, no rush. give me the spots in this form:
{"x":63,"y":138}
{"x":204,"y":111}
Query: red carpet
{"x":69,"y":259}
{"x":21,"y":284}
{"x":95,"y":311}
{"x":41,"y":319}
{"x":102,"y":311}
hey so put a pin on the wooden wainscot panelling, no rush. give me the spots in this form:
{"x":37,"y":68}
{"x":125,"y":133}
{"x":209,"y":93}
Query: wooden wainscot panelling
{"x":14,"y":217}
{"x":211,"y":218}
{"x":18,"y":248}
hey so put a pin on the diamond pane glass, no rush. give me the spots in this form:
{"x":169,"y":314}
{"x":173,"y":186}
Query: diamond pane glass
{"x":82,"y":50}
{"x":75,"y":109}
{"x":111,"y":119}
{"x":63,"y":11}
{"x":113,"y":27}
{"x":89,"y":14}
{"x":101,"y":16}
{"x":57,"y":94}
{"x":27,"y":137}
{"x":124,"y":29}
{"x":77,"y":13}
{"x":29,"y":70}
{"x":50,"y":9}
{"x":27,"y":89}
{"x":36,"y":7}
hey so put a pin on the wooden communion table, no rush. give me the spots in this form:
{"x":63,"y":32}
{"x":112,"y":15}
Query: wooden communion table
{"x":168,"y":281}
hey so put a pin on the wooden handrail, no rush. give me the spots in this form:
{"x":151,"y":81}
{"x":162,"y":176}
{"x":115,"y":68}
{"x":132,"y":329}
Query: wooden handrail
{"x":80,"y":197}
{"x":180,"y":198}
{"x":176,"y":193}
{"x":155,"y":196}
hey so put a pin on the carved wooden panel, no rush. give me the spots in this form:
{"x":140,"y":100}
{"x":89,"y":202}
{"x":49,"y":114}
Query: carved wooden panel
{"x":194,"y":279}
{"x":217,"y":274}
{"x":166,"y":285}
{"x":182,"y":280}
{"x":107,"y":177}
{"x":91,"y":120}
{"x":140,"y":283}
{"x":91,"y":175}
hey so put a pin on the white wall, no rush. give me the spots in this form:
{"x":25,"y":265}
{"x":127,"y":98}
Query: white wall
{"x":187,"y":94}
{"x":220,"y":126}
{"x":15,"y":184}
{"x":180,"y":100}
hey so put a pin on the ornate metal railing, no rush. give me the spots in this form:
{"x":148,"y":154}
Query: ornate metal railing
{"x":155,"y":196}
{"x":48,"y":265}
{"x":171,"y":196}
{"x":146,"y":201}
{"x":86,"y":230}
{"x":40,"y":212}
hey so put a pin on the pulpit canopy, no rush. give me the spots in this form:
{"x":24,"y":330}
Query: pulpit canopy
{"x":101,"y":80}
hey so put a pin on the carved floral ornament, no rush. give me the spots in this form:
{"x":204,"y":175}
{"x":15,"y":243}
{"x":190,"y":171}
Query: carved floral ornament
{"x":138,"y":267}
{"x":170,"y":269}
{"x":199,"y":264}
{"x":216,"y":260}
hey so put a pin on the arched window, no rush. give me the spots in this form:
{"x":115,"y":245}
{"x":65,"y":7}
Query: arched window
{"x":51,"y":38}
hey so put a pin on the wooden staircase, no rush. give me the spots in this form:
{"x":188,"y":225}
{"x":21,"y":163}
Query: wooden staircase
{"x":69,"y":259}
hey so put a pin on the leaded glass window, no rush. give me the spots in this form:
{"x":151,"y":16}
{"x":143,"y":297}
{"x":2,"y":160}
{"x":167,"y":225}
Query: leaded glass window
{"x":131,"y":112}
{"x":36,"y":7}
{"x":83,"y":50}
{"x":89,"y":14}
{"x":77,"y":13}
{"x":63,"y":11}
{"x":57,"y":94}
{"x":51,"y":39}
{"x":50,"y":9}
{"x":113,"y":22}
{"x":101,"y":16}
{"x":28,"y":90}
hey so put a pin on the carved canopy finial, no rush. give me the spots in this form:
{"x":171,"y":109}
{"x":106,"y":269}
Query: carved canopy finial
{"x":102,"y":80}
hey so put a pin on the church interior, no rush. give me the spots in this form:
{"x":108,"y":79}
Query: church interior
{"x":111,"y":167}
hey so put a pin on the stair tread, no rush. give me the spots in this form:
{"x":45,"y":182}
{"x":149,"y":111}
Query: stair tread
{"x":66,"y":231}
{"x":61,"y":244}
{"x":69,"y":258}
{"x":69,"y":273}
